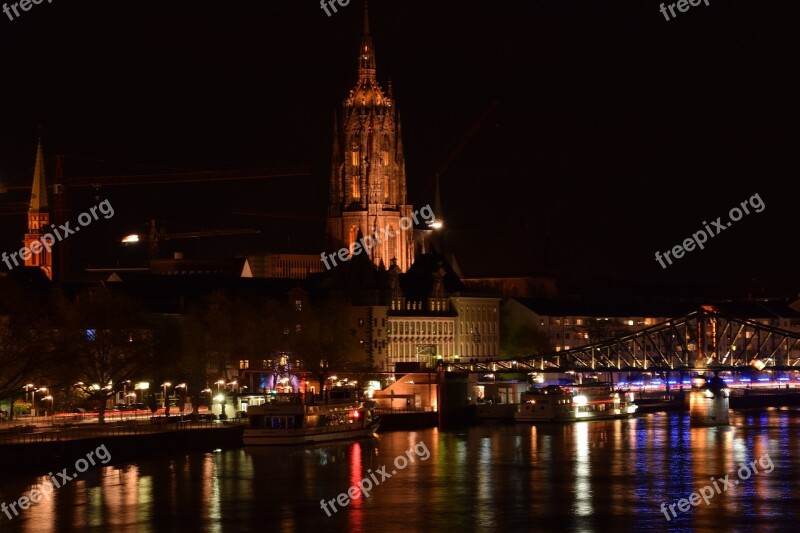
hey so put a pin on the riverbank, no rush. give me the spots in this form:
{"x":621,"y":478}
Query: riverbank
{"x":30,"y":447}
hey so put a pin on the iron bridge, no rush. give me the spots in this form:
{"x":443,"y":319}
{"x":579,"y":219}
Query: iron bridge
{"x":703,"y":339}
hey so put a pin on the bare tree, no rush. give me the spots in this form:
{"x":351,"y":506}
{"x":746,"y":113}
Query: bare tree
{"x":108,"y":341}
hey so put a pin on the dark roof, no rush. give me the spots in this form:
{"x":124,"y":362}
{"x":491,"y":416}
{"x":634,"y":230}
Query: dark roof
{"x":417,"y":283}
{"x":743,"y":309}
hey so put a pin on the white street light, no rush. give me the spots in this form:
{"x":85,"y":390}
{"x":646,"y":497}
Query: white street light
{"x":165,"y":385}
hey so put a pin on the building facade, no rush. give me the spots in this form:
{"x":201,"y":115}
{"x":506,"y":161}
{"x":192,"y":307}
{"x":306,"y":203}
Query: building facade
{"x":428,"y":324}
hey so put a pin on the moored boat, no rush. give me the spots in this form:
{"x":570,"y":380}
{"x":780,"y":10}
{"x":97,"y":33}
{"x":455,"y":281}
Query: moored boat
{"x":287,"y":419}
{"x":575,"y":403}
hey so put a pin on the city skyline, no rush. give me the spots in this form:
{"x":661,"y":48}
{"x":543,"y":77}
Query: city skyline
{"x":556,"y":179}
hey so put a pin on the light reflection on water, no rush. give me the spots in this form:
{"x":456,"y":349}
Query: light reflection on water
{"x":587,"y":476}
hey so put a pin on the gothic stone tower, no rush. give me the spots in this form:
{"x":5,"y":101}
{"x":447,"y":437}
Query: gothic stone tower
{"x":38,"y":219}
{"x":368,"y":178}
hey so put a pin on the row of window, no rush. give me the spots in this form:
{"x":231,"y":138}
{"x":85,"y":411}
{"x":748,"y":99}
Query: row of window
{"x":362,"y":321}
{"x":478,"y":312}
{"x":585,"y":322}
{"x":422,"y":328}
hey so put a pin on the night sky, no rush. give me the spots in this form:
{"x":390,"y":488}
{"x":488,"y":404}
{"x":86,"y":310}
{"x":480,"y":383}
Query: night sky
{"x":616,"y":133}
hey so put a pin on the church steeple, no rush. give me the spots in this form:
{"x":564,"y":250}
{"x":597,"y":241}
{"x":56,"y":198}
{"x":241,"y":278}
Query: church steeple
{"x":368,"y":176}
{"x":366,"y":53}
{"x":39,"y":190}
{"x":38,"y":255}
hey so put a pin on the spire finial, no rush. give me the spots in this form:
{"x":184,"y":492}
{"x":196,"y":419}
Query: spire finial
{"x":39,"y":190}
{"x":366,"y":55}
{"x":366,"y":18}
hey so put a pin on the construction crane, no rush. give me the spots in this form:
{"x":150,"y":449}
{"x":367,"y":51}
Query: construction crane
{"x":438,"y":222}
{"x":160,"y":234}
{"x":61,"y":184}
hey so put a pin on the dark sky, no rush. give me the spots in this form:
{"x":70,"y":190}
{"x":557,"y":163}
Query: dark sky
{"x":616,"y":134}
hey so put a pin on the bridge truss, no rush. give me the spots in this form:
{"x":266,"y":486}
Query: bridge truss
{"x":702,"y":339}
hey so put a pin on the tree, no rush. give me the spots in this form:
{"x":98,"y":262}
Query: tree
{"x":521,"y":339}
{"x":108,"y":342}
{"x":25,"y":340}
{"x":324,"y":343}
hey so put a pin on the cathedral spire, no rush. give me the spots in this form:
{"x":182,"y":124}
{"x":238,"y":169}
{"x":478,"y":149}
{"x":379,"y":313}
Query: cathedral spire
{"x":39,"y":190}
{"x":38,"y":220}
{"x":366,"y":54}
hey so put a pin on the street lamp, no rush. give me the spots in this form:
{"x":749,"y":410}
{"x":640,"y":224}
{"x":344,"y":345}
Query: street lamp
{"x":165,"y":385}
{"x":125,"y":390}
{"x":181,"y":397}
{"x":218,"y":383}
{"x":27,"y":388}
{"x":33,"y":398}
{"x":48,"y":397}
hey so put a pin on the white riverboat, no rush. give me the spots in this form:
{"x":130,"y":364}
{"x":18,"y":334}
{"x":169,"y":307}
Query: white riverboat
{"x":575,"y":403}
{"x":286,"y":419}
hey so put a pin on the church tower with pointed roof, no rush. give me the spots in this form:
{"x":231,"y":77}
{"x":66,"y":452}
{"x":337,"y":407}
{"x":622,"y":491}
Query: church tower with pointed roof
{"x":38,"y":219}
{"x":368,"y":179}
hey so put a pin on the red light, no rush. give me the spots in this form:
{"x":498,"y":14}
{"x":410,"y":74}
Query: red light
{"x":355,"y":414}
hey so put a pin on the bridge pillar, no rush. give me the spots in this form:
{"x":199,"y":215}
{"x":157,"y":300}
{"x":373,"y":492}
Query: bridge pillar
{"x":453,"y":399}
{"x":708,"y":404}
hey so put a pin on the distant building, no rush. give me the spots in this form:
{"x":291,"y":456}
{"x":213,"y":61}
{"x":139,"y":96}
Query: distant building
{"x":433,"y":317}
{"x":572,"y":324}
{"x":515,"y":286}
{"x":290,"y":266}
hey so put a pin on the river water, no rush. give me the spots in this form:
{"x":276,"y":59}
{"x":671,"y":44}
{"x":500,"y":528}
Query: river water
{"x":587,"y":476}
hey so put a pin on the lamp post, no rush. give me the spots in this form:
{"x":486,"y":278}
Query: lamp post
{"x":181,"y":397}
{"x":413,"y":394}
{"x":28,"y":387}
{"x":33,"y":398}
{"x":48,"y":397}
{"x":165,"y":385}
{"x":125,"y":391}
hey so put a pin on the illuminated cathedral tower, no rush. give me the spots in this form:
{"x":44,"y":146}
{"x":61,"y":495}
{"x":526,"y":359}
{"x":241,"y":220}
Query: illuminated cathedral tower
{"x":38,"y":219}
{"x":368,"y":177}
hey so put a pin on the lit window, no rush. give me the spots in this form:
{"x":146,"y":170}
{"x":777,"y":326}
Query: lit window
{"x":298,"y":305}
{"x":361,"y":322}
{"x":298,"y":328}
{"x":244,"y":364}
